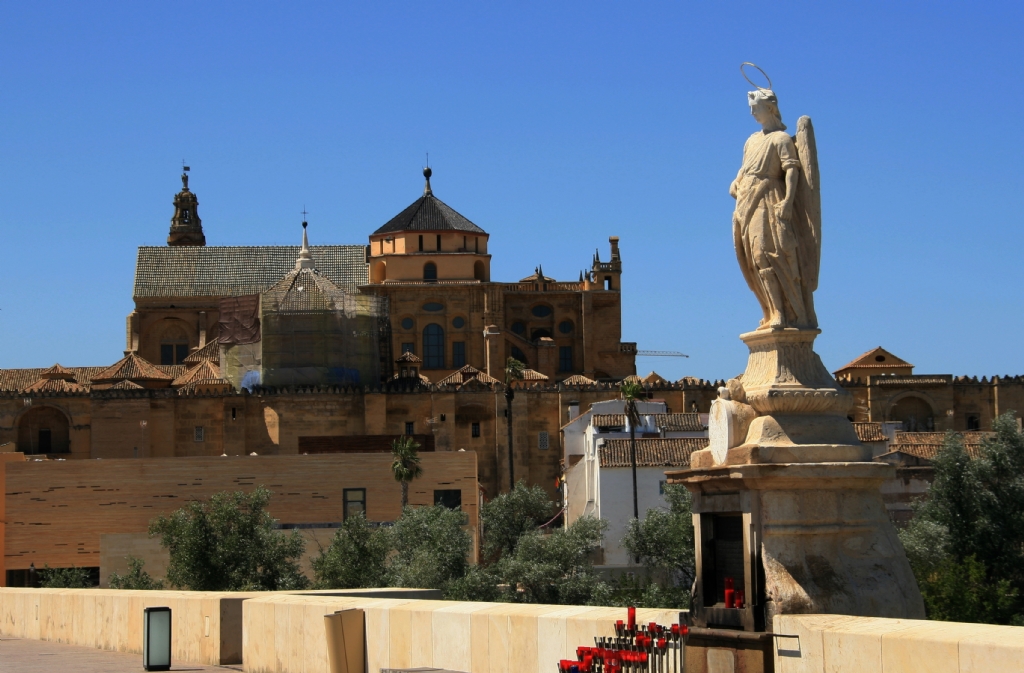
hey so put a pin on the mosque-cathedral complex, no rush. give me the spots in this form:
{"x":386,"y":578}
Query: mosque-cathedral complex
{"x":339,"y":348}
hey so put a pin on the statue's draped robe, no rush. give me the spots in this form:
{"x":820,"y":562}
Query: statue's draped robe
{"x":770,"y":250}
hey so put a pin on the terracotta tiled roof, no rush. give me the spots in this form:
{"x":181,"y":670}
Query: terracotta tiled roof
{"x":654,"y":378}
{"x":19,"y":379}
{"x":870,"y":360}
{"x":974,"y":437}
{"x":578,"y":380}
{"x":927,"y":444}
{"x":633,"y":378}
{"x":409,"y":356}
{"x":125,"y":385}
{"x":208,"y":386}
{"x":55,"y":386}
{"x":57,"y":372}
{"x":216,"y":271}
{"x":653,"y":452}
{"x":870,"y":432}
{"x":428,"y":213}
{"x":531,"y":375}
{"x":465,"y":375}
{"x":205,"y":370}
{"x":133,"y":368}
{"x":210,"y":351}
{"x":666,"y":422}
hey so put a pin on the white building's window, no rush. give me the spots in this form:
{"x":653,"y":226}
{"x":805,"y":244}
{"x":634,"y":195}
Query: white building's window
{"x":661,"y":488}
{"x":200,"y":434}
{"x":542,"y":441}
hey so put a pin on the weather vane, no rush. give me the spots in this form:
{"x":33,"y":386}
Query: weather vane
{"x":184,"y":167}
{"x":752,"y":65}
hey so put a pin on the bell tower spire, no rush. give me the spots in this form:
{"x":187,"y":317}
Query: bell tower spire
{"x":186,"y":227}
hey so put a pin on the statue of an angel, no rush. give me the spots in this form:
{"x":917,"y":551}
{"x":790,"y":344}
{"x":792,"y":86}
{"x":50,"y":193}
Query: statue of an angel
{"x":777,"y":221}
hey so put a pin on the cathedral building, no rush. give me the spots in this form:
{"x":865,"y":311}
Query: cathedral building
{"x":431,"y":265}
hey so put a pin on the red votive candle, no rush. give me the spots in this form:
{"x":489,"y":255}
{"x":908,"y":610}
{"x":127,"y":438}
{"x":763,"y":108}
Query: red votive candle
{"x":631,"y":613}
{"x":730,"y":598}
{"x":739,"y":598}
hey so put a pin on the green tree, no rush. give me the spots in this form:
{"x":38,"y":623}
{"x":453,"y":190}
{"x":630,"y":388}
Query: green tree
{"x":405,"y":465}
{"x":631,"y":392}
{"x":664,"y":544}
{"x":513,"y":372}
{"x":354,"y":559}
{"x":135,"y":578}
{"x":65,"y":578}
{"x":229,"y":544}
{"x":553,"y":567}
{"x":966,"y":541}
{"x":508,"y":517}
{"x":429,"y":548}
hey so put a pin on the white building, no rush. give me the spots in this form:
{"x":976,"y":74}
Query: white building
{"x":598,"y":474}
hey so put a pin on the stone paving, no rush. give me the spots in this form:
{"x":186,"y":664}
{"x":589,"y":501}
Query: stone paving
{"x":39,"y":656}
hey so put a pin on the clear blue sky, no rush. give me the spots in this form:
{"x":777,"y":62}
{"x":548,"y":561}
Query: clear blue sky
{"x":550,"y":124}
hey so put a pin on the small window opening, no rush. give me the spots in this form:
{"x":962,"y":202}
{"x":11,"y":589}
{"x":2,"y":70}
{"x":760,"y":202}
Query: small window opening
{"x":543,"y":441}
{"x":353,"y":502}
{"x":607,"y":282}
{"x":233,"y":413}
{"x":421,"y":242}
{"x":200,"y":434}
{"x":439,"y":241}
{"x":410,"y":427}
{"x":429,"y":271}
{"x":448,"y":497}
{"x":476,"y":429}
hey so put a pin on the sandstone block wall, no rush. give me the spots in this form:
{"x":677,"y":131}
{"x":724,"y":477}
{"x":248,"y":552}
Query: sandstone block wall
{"x":840,"y":644}
{"x":285,"y":633}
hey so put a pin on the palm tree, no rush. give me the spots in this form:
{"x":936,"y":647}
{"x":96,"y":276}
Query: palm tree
{"x":631,"y":392}
{"x":513,"y":372}
{"x":406,"y":463}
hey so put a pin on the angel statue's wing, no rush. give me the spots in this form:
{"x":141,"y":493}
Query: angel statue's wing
{"x":808,"y":204}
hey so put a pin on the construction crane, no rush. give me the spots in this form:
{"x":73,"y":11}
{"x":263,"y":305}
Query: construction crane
{"x":663,"y":354}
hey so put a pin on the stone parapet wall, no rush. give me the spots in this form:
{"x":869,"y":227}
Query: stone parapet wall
{"x":841,"y":644}
{"x":285,"y":633}
{"x":206,"y":627}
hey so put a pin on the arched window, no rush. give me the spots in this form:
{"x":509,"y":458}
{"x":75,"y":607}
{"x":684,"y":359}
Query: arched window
{"x":519,"y":328}
{"x":479,"y":272}
{"x":433,"y":346}
{"x":380,"y":272}
{"x":430,"y":271}
{"x":519,"y":355}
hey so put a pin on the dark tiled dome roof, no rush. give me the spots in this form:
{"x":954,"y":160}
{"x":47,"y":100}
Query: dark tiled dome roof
{"x":428,"y":213}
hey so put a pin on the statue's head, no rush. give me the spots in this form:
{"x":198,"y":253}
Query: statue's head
{"x":764,"y":106}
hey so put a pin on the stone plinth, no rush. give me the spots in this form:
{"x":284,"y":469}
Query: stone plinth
{"x":785,"y":408}
{"x":815,"y":539}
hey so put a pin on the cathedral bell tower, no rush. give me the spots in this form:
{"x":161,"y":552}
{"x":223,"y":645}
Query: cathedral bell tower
{"x":186,"y":227}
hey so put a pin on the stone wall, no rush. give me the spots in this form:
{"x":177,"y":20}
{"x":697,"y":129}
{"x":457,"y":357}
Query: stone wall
{"x":840,"y":644}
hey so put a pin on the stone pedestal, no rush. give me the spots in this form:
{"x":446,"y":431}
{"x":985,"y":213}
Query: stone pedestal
{"x":787,"y":500}
{"x":815,"y":538}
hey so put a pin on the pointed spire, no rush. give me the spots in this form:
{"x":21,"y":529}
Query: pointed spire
{"x":426,"y":188}
{"x":540,"y":271}
{"x":581,"y":276}
{"x":305,"y":260}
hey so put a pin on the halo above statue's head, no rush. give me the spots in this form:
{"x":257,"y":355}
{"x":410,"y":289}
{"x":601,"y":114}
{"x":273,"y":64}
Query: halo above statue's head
{"x":752,"y":83}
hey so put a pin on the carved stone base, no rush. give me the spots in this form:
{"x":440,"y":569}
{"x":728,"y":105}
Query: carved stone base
{"x":816,"y":538}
